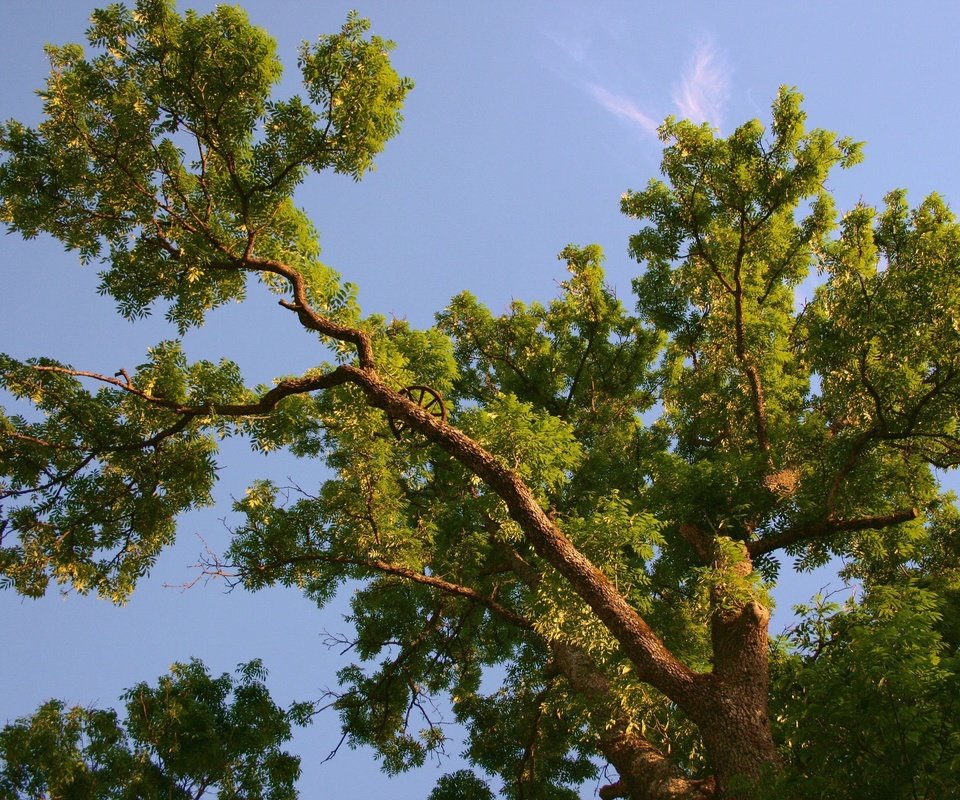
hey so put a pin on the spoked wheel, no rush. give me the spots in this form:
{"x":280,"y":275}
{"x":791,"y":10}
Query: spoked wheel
{"x":425,"y":397}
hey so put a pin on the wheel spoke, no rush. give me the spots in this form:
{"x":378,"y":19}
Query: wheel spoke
{"x":427,"y":399}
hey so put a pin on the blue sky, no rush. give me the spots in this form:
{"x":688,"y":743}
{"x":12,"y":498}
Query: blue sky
{"x":527,"y":123}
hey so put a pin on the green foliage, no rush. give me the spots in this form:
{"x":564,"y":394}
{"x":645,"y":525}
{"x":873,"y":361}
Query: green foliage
{"x":725,"y":584}
{"x":724,"y":246}
{"x":529,"y":733}
{"x":350,"y":79}
{"x":202,"y":184}
{"x":93,"y":489}
{"x":867,"y":707}
{"x":541,"y":447}
{"x":865,"y":694}
{"x":461,"y":785}
{"x":191,"y":735}
{"x":209,"y":160}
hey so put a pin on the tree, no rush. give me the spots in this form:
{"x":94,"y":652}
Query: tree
{"x":592,"y":499}
{"x":180,"y":740}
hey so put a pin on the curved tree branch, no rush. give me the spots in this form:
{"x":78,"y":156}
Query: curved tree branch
{"x":654,"y":662}
{"x":645,"y":772}
{"x":413,"y":575}
{"x":285,"y":388}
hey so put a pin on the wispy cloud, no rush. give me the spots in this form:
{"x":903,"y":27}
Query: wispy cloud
{"x":621,"y":106}
{"x":591,"y":59}
{"x":573,"y":47}
{"x":704,"y":86}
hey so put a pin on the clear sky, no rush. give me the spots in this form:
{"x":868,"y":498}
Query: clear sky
{"x":528,"y":121}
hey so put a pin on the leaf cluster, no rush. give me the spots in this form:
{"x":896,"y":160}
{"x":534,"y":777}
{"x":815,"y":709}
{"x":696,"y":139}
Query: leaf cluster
{"x":189,"y":736}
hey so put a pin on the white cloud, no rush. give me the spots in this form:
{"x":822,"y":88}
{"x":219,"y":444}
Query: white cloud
{"x":700,"y":94}
{"x":704,"y":86}
{"x":621,"y":106}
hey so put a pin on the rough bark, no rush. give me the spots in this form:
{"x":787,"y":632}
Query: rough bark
{"x":645,"y":772}
{"x":729,"y":705}
{"x":734,"y":722}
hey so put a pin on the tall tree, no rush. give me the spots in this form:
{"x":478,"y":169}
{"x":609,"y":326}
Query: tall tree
{"x":592,"y":499}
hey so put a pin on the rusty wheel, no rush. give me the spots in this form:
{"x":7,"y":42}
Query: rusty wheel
{"x":425,"y":397}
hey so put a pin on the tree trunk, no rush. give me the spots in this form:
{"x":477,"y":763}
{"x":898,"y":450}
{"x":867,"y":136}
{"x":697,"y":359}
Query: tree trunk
{"x":734,"y":721}
{"x":738,"y":741}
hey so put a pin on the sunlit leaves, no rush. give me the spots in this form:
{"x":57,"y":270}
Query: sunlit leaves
{"x":165,"y":156}
{"x":539,"y":446}
{"x":93,"y":489}
{"x":724,"y":243}
{"x":884,"y":331}
{"x":358,"y":92}
{"x":622,"y":542}
{"x":648,"y":455}
{"x":190,"y":736}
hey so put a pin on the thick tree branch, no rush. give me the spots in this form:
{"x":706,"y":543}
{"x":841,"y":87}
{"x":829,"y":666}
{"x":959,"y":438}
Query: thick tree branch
{"x":308,"y":317}
{"x":614,"y":790}
{"x":645,"y":772}
{"x":265,"y":404}
{"x":652,"y":659}
{"x":655,"y":664}
{"x":699,"y":540}
{"x":828,"y":527}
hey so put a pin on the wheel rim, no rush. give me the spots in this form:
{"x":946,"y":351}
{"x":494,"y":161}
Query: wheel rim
{"x":428,"y":399}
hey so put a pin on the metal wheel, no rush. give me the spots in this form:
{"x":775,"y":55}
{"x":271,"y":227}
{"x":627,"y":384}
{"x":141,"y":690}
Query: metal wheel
{"x":425,"y":397}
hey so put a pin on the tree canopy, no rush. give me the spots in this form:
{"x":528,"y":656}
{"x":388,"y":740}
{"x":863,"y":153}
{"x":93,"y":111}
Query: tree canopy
{"x":592,"y":499}
{"x":189,"y":735}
